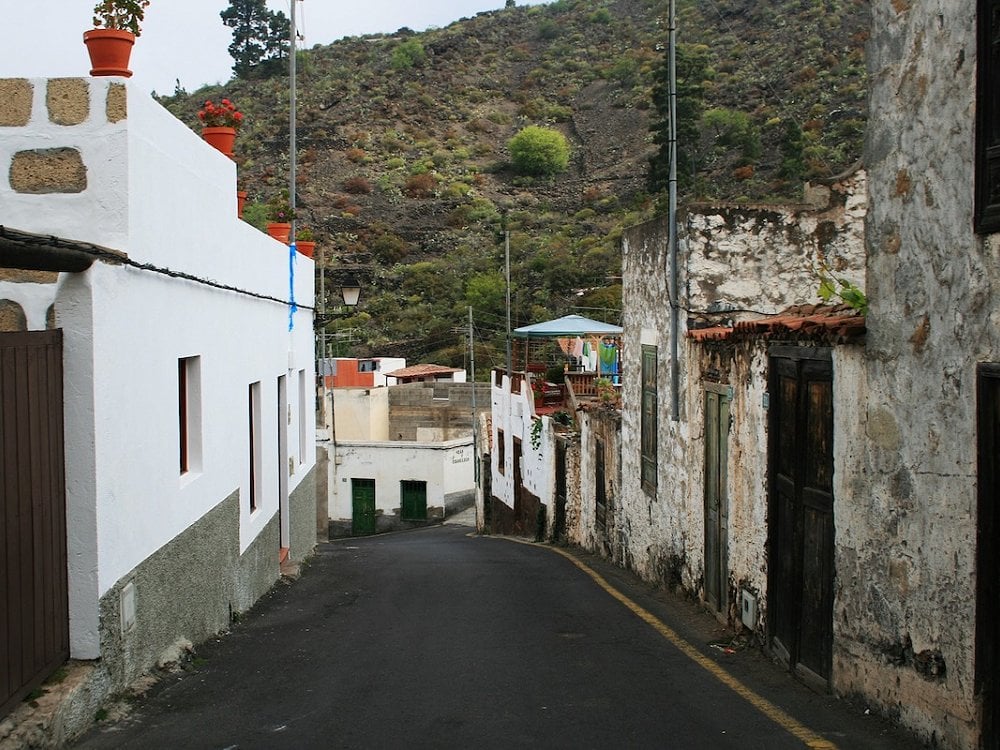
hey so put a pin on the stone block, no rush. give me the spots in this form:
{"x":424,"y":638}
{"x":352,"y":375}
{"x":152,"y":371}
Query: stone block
{"x":117,"y":103}
{"x":68,"y":101}
{"x":52,"y":170}
{"x":15,"y":102}
{"x":12,"y":316}
{"x":21,"y":276}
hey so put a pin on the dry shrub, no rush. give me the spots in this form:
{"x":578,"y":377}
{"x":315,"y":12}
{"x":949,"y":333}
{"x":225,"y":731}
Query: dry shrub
{"x":356,"y":155}
{"x":420,"y":185}
{"x":357,"y":186}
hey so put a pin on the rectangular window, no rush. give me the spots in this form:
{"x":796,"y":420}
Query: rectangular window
{"x":647,"y":426}
{"x":303,"y":418}
{"x":189,"y":413}
{"x":988,"y":119}
{"x":501,"y":452}
{"x":255,"y":437}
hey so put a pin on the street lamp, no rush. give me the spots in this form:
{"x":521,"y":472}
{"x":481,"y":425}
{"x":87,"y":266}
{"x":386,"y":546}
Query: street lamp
{"x":350,"y":290}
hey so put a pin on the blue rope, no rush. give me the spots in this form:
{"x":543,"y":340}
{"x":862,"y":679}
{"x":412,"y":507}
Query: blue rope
{"x":292,"y":307}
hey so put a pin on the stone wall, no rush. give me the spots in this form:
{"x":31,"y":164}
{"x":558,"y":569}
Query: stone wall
{"x":434,"y":411}
{"x":933,"y":287}
{"x":765,"y":259}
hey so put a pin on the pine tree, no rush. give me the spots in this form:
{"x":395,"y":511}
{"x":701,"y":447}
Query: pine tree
{"x":259,"y":35}
{"x":693,"y":70}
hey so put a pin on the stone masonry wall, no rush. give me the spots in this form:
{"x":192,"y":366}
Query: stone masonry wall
{"x":26,"y":297}
{"x":933,"y":287}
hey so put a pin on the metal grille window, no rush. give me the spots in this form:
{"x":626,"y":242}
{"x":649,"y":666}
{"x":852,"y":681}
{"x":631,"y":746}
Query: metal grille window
{"x":648,"y":419}
{"x":988,"y":119}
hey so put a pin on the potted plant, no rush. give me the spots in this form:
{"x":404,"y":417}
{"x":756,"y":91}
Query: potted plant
{"x":279,"y":217}
{"x":219,"y":124}
{"x":109,"y":43}
{"x":305,"y":242}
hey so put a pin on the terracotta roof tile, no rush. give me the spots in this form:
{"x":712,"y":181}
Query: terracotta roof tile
{"x":834,"y":323}
{"x":417,"y":370}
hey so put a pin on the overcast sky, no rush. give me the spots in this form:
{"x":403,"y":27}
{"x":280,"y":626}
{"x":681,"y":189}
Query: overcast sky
{"x":186,"y":40}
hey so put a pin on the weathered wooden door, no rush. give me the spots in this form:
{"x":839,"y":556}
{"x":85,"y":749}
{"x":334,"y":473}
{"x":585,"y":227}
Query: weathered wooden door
{"x":413,"y":500}
{"x":800,"y":523}
{"x":362,"y":506}
{"x":988,"y":554}
{"x":600,"y":487}
{"x":716,"y":497}
{"x":34,"y":614}
{"x":559,"y":532}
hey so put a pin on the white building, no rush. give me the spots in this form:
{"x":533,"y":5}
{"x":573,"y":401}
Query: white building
{"x":401,"y":456}
{"x":187,"y":370}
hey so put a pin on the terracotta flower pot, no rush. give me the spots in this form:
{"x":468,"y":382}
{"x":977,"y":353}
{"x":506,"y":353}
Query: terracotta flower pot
{"x":221,"y":138}
{"x":306,"y":247}
{"x":110,"y":50}
{"x":279,"y":230}
{"x":241,"y":199}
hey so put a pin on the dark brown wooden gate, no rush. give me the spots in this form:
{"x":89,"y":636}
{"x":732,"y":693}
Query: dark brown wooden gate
{"x":717,"y":402}
{"x":988,"y":553}
{"x":34,"y":619}
{"x":559,"y":530}
{"x":800,"y":521}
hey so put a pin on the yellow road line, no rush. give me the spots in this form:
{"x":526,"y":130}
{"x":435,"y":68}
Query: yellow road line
{"x":771,"y":711}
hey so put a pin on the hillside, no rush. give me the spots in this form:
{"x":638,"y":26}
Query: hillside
{"x":403,"y":168}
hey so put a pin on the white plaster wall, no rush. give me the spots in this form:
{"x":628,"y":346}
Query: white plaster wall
{"x":514,"y":413}
{"x":446,"y":467}
{"x":100,"y":213}
{"x":34,"y":299}
{"x":157,"y":192}
{"x":361,"y":413}
{"x":767,"y":259}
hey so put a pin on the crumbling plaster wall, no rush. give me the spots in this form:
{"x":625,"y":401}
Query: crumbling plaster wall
{"x":768,"y":258}
{"x":933,"y":286}
{"x":731,"y":259}
{"x":605,"y":425}
{"x":650,"y":520}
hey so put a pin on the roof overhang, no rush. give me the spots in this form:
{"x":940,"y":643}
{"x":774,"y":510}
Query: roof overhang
{"x":38,"y":252}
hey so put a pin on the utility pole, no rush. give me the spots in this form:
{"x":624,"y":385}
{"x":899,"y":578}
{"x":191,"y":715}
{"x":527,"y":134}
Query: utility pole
{"x":506,"y":243}
{"x":291,"y":118}
{"x":675,"y":408}
{"x":475,"y":421}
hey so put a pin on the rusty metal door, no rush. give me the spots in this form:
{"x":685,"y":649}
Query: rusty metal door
{"x":988,"y":554}
{"x":800,"y":522}
{"x":34,"y":628}
{"x":716,"y":497}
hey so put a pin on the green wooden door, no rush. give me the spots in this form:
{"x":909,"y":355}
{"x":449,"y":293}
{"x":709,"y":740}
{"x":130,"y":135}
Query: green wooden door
{"x":716,"y":497}
{"x":363,"y":506}
{"x":413,"y":500}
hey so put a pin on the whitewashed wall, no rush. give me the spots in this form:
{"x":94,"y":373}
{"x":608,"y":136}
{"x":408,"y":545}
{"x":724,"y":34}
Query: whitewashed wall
{"x":514,"y":413}
{"x":446,"y":467}
{"x":161,"y":195}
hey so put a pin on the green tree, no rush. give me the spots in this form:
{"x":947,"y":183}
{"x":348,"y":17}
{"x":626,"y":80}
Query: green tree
{"x":734,"y":129}
{"x":259,"y":35}
{"x":487,"y":293}
{"x":539,"y":151}
{"x":694,"y":70}
{"x":408,"y":54}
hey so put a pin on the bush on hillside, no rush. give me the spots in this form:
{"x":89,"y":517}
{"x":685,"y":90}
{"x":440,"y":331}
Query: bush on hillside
{"x":539,"y":151}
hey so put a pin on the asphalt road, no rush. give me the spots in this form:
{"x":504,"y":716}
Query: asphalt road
{"x":441,"y":639}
